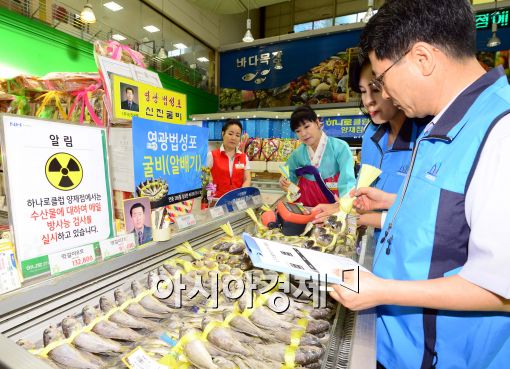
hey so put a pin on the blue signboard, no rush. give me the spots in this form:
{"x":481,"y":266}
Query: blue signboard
{"x":168,"y":160}
{"x":345,"y":126}
{"x":274,"y":65}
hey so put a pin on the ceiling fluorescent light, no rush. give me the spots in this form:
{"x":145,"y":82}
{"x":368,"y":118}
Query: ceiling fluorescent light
{"x":118,"y":37}
{"x":180,"y":46}
{"x":113,"y":6}
{"x":151,"y":28}
{"x":203,"y":59}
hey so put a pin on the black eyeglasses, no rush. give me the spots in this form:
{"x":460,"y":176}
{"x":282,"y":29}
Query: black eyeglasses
{"x":378,"y":82}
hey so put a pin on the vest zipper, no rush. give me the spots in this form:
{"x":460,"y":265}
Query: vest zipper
{"x":406,"y":183}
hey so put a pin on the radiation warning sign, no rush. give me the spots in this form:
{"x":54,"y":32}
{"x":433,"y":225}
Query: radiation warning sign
{"x":58,"y":188}
{"x":64,"y":171}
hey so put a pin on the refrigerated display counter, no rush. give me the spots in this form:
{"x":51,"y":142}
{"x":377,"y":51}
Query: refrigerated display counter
{"x":27,"y":312}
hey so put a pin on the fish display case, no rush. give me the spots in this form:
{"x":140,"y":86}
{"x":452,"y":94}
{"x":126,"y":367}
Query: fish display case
{"x":28,"y":312}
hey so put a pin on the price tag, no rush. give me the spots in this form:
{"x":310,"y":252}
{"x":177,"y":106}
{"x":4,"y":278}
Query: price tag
{"x":217,"y":211}
{"x":64,"y":261}
{"x":9,"y":276}
{"x":241,"y":204}
{"x":139,"y":359}
{"x":117,"y":246}
{"x":186,"y":221}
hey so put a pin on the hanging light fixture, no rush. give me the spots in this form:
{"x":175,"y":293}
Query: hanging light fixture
{"x":248,"y":37}
{"x":370,"y":11}
{"x":494,"y":40}
{"x":162,"y":54}
{"x":87,"y":14}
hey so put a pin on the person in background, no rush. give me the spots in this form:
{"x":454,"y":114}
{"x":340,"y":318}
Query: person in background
{"x":387,"y":142}
{"x":230,"y":168}
{"x":441,"y":281}
{"x":143,"y":234}
{"x":323,"y":167}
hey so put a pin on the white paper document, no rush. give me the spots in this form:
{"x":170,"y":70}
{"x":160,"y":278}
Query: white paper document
{"x":299,"y":261}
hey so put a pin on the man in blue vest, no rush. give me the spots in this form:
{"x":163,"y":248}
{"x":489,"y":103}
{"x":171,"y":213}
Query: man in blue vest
{"x":441,"y":279}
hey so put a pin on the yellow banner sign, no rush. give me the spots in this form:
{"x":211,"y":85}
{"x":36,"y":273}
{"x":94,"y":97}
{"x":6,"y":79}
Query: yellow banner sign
{"x":135,"y":99}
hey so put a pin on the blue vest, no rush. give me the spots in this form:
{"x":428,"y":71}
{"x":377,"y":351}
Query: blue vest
{"x":394,"y":161}
{"x":426,"y":235}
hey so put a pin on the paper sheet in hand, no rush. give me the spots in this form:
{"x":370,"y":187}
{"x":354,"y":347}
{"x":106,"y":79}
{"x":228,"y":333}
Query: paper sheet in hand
{"x":298,"y":261}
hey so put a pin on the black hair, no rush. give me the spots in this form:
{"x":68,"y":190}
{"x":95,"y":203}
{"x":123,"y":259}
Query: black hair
{"x":137,"y":205}
{"x":300,"y":115}
{"x":449,"y":25}
{"x":355,"y":68}
{"x":130,"y":88}
{"x":231,"y":122}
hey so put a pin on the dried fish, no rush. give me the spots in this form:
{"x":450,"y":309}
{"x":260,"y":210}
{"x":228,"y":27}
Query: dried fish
{"x":149,"y":302}
{"x":123,"y":318}
{"x":222,"y":338}
{"x":224,"y":363}
{"x":134,"y":309}
{"x":276,"y":352}
{"x":108,"y":329}
{"x":66,"y":354}
{"x":237,"y":248}
{"x":90,"y":341}
{"x":244,"y":325}
{"x":197,"y":353}
{"x":317,"y":326}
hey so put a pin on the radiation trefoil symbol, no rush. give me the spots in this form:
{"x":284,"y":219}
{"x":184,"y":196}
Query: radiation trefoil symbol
{"x":64,"y":171}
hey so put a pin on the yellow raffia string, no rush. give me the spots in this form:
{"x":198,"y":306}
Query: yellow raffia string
{"x":49,"y":96}
{"x":253,"y":217}
{"x":265,"y":207}
{"x":227,"y":228}
{"x":186,"y":248}
{"x":188,"y":267}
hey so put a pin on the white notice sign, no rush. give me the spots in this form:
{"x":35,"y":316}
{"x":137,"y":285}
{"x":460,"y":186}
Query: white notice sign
{"x":58,"y":188}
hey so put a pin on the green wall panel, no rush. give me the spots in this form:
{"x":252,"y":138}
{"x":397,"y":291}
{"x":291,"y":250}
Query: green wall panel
{"x":199,"y":101}
{"x":35,"y":48}
{"x":32,"y":47}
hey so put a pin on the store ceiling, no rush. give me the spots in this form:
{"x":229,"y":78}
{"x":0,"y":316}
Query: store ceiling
{"x":233,"y":6}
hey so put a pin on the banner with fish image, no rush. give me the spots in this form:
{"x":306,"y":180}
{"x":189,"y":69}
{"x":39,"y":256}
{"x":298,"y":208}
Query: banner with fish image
{"x":168,"y":160}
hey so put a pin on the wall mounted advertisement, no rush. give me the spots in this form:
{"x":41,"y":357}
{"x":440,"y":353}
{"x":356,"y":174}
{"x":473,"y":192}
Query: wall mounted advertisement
{"x":58,"y":188}
{"x":136,"y":99}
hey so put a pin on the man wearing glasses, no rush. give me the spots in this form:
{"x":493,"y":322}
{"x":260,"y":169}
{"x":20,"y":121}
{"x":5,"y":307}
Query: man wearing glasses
{"x":441,"y":279}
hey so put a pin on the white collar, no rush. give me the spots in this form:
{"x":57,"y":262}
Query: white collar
{"x":237,"y":149}
{"x":322,"y":142}
{"x":438,"y":116}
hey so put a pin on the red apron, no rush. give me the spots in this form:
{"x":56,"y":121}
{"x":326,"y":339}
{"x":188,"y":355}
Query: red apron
{"x":320,"y":191}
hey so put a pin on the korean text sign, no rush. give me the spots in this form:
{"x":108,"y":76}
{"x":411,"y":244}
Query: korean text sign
{"x":58,"y":185}
{"x":173,"y":153}
{"x":136,"y":99}
{"x":345,"y":126}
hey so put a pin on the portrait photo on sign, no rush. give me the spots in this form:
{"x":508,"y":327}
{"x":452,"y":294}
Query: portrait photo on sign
{"x":137,"y":214}
{"x":129,"y":97}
